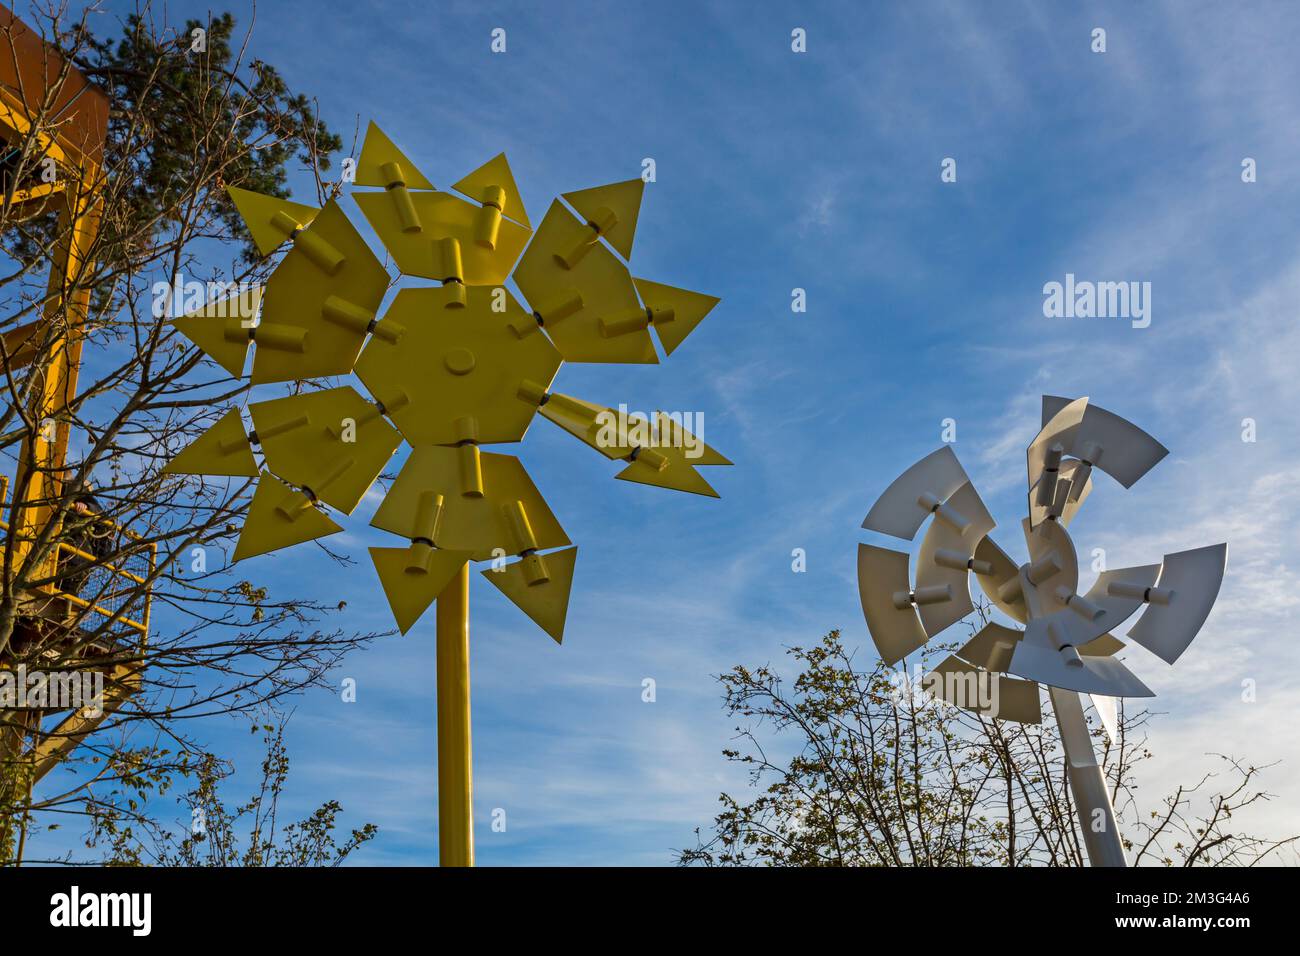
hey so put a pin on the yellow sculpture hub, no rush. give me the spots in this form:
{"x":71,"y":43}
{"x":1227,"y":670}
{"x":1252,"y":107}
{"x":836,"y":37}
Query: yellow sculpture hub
{"x":459,"y":361}
{"x":479,"y":359}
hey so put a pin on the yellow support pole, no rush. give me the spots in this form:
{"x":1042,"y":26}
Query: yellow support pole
{"x":455,"y":768}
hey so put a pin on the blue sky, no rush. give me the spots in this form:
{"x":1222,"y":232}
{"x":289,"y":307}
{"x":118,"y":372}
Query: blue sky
{"x":821,"y":171}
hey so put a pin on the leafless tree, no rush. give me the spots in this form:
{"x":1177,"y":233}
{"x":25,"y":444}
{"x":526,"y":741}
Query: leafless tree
{"x":99,"y":542}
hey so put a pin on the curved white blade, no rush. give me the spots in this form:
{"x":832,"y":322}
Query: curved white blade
{"x":984,"y":651}
{"x":1116,"y":609}
{"x":983,"y":692}
{"x":1194,"y":577}
{"x":1127,"y":452}
{"x":1004,"y":569}
{"x":1059,"y":428}
{"x":942,"y":536}
{"x":897,"y":512}
{"x":881,"y":573}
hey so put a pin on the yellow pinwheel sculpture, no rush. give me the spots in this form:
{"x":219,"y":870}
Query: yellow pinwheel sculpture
{"x":448,"y":367}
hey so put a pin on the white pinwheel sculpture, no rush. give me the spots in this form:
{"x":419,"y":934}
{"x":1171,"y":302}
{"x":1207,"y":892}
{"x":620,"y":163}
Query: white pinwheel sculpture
{"x":1067,"y":643}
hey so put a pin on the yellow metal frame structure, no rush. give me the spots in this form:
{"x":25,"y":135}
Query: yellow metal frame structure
{"x":33,"y":71}
{"x":65,"y":550}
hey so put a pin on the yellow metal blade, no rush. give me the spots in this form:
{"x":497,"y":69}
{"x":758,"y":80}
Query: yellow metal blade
{"x":623,"y":199}
{"x":207,"y":328}
{"x":672,"y":432}
{"x":687,"y":310}
{"x":546,"y":602}
{"x":583,"y":420}
{"x":333,"y":442}
{"x":661,"y":450}
{"x":1004,"y":570}
{"x":409,"y":592}
{"x":577,"y":302}
{"x":459,"y":364}
{"x":376,"y":151}
{"x":258,"y":211}
{"x":671,"y":459}
{"x":679,"y":475}
{"x":301,"y":295}
{"x":222,"y":450}
{"x":496,"y":172}
{"x":478,"y":523}
{"x":442,"y":216}
{"x":268,"y":527}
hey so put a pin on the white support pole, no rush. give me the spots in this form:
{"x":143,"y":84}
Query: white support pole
{"x":1087,"y":782}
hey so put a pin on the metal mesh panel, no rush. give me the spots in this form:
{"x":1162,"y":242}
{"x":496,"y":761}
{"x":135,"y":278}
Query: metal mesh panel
{"x":100,"y":570}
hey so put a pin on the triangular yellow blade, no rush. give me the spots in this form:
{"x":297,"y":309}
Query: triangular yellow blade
{"x":300,"y":297}
{"x":443,"y":215}
{"x":332,"y":441}
{"x":680,"y":453}
{"x":688,"y":310}
{"x":576,"y":301}
{"x":267,"y":528}
{"x":479,"y":523}
{"x":206,"y":328}
{"x":586,"y":422}
{"x":679,"y":475}
{"x":546,"y":603}
{"x":258,"y":211}
{"x":623,"y":199}
{"x":671,"y":452}
{"x":673,"y":433}
{"x":495,"y":172}
{"x":207,"y":456}
{"x":410,"y":593}
{"x":377,"y":150}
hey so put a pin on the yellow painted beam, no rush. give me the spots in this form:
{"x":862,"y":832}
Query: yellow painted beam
{"x":39,"y":480}
{"x":55,"y":745}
